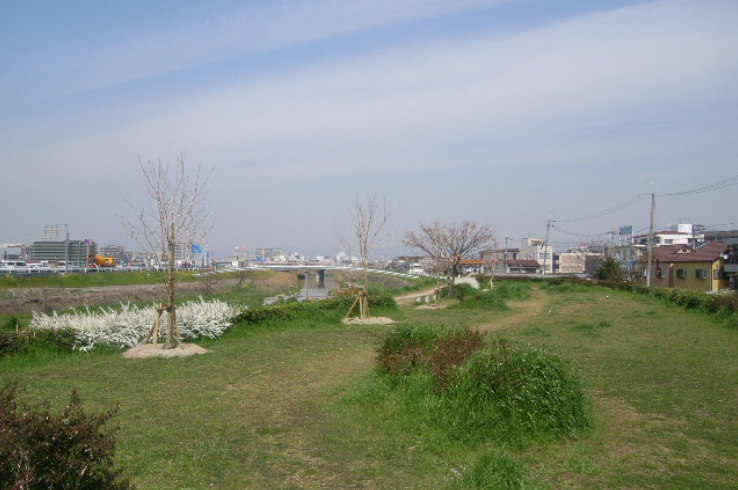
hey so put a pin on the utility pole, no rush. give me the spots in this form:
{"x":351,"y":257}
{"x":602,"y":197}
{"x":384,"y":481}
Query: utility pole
{"x":507,"y":269}
{"x":545,"y":246}
{"x":649,"y":244}
{"x":66,"y":247}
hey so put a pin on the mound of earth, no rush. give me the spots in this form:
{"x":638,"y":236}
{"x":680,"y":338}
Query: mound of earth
{"x":151,"y":350}
{"x":374,"y":320}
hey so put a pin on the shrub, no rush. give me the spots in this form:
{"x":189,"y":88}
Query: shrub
{"x":57,"y":340}
{"x":494,"y":299}
{"x":609,"y":270}
{"x":11,"y":324}
{"x":11,"y":343}
{"x":130,"y":326}
{"x":516,"y":393}
{"x":499,"y":392}
{"x":452,"y":348}
{"x":336,"y":307}
{"x":39,"y":450}
{"x":405,"y":347}
{"x":438,"y":350}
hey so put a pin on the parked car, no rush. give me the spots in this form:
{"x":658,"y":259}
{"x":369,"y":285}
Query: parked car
{"x":17,"y":266}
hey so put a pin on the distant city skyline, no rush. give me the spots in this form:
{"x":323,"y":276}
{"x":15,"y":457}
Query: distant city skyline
{"x":504,"y":112}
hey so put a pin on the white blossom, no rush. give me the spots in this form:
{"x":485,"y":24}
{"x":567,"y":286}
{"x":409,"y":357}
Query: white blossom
{"x":131,"y":325}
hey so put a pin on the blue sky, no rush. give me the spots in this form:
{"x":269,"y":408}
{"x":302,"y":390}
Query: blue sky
{"x":503,"y":112}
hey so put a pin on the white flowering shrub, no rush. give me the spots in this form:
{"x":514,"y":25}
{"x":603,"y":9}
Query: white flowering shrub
{"x":130,"y":326}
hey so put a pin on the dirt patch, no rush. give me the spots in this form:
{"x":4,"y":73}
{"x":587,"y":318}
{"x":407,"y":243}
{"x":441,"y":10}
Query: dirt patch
{"x":375,"y":320}
{"x":524,"y":311}
{"x":412,"y":297}
{"x":150,"y":350}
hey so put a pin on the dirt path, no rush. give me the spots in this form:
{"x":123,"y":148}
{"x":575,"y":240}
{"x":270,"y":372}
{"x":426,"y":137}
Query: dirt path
{"x":410,"y":298}
{"x":522,"y":312}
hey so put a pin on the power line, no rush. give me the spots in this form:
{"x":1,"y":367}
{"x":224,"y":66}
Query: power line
{"x":579,"y":234}
{"x":612,"y":209}
{"x":708,"y":188}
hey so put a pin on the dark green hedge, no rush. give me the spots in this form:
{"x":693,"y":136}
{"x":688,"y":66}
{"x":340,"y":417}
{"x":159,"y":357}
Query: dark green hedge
{"x":721,"y":304}
{"x":315,"y":310}
{"x":59,"y":340}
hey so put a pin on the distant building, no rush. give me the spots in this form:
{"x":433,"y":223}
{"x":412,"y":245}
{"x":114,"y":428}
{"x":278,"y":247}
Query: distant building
{"x":524,"y":266}
{"x":116,"y":251}
{"x":534,"y":249}
{"x":667,"y":237}
{"x":500,"y":258}
{"x":75,"y":252}
{"x":569,"y":262}
{"x":269,"y":254}
{"x":472,"y":266}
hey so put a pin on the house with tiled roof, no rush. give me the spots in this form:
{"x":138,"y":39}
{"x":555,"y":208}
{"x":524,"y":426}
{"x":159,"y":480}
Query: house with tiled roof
{"x":681,"y":266}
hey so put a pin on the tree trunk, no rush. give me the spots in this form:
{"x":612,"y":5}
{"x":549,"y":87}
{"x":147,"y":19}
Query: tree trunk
{"x":170,"y":289}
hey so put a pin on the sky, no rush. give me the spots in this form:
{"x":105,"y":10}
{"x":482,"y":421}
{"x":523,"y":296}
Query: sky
{"x":507,"y":113}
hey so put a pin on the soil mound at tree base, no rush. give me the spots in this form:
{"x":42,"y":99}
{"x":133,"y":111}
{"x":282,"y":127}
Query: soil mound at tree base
{"x":374,"y":320}
{"x":150,"y":350}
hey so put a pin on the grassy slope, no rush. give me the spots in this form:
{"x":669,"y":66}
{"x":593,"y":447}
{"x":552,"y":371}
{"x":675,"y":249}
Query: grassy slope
{"x":264,"y":410}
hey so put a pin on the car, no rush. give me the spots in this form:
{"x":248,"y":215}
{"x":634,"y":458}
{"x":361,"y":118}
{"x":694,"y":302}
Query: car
{"x":11,"y":266}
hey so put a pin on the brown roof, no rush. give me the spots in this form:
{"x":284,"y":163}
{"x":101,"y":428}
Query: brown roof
{"x":684,"y":253}
{"x":523,"y":263}
{"x":471,"y":262}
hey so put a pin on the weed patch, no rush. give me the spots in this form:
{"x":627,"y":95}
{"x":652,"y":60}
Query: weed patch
{"x":495,"y":468}
{"x":591,"y":329}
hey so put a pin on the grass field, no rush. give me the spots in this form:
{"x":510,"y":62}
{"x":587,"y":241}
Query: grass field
{"x":290,"y":406}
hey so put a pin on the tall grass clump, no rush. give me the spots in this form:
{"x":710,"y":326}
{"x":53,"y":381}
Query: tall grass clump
{"x":516,"y":393}
{"x":481,"y":391}
{"x":496,"y":468}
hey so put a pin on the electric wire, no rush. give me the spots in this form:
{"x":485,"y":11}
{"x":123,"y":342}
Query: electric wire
{"x":612,"y":209}
{"x":579,"y":234}
{"x":708,"y":188}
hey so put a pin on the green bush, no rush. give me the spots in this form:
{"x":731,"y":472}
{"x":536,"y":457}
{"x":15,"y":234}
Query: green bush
{"x":11,"y":324}
{"x":494,"y":299}
{"x":40,"y":450}
{"x":515,"y":393}
{"x":499,"y":392}
{"x":11,"y":343}
{"x":56,"y":340}
{"x":335,"y":308}
{"x":438,"y":350}
{"x":609,"y":270}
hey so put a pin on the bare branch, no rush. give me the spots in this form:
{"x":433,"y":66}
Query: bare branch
{"x":177,"y":216}
{"x":447,"y":244}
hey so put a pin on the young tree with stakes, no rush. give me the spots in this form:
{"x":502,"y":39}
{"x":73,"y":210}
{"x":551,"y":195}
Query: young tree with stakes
{"x":366,"y":226}
{"x":177,"y":217}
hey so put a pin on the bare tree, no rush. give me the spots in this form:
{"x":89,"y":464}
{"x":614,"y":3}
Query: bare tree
{"x":176,"y":217}
{"x":367,"y":223}
{"x":447,"y":244}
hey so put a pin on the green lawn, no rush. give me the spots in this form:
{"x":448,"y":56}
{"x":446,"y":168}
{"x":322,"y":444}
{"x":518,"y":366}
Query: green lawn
{"x":275,"y":407}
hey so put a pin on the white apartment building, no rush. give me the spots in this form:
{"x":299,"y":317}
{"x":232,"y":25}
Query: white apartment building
{"x":534,"y":249}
